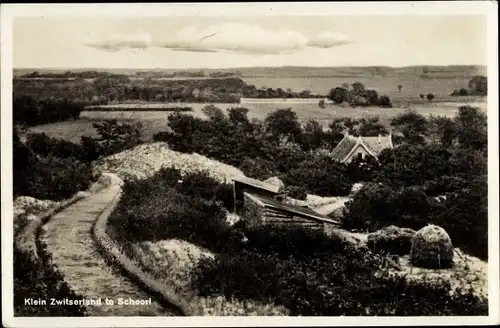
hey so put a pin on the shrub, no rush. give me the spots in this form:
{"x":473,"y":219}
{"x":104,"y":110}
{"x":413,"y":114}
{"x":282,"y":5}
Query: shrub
{"x":460,"y":92}
{"x":44,"y":145}
{"x":339,"y":280}
{"x":432,"y":248}
{"x":37,"y":278}
{"x":339,"y":95}
{"x":430,"y":97}
{"x":296,"y":192}
{"x":392,"y":240}
{"x":159,"y":208}
{"x":55,"y":178}
{"x":320,"y":175}
{"x":384,"y":101}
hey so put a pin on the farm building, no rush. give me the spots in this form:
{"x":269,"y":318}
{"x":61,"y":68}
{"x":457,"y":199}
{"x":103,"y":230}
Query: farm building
{"x":351,"y":147}
{"x":265,"y":202}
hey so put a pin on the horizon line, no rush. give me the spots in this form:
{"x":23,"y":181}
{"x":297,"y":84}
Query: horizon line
{"x":257,"y":66}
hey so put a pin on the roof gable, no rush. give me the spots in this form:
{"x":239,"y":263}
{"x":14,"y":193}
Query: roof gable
{"x":373,"y":146}
{"x":343,"y":148}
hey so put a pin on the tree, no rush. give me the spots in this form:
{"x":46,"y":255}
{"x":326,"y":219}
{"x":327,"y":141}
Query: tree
{"x":422,"y":96}
{"x":430,"y":97}
{"x":384,"y":101}
{"x":313,"y":135}
{"x":338,"y":95}
{"x":471,"y":128}
{"x":425,"y":70}
{"x":321,"y":103}
{"x":213,"y":112}
{"x":372,"y":96}
{"x":283,"y":125}
{"x":478,"y":85}
{"x":444,"y":128}
{"x":400,"y":86}
{"x":412,"y":125}
{"x":358,"y":87}
{"x":371,"y":127}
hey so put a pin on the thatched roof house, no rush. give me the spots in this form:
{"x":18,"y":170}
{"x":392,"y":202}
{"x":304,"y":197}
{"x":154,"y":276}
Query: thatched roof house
{"x":351,"y":147}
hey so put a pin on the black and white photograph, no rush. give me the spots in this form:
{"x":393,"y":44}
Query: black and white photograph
{"x":249,"y":164}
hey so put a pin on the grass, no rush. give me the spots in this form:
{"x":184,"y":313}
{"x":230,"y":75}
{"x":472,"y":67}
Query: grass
{"x":413,"y":83}
{"x":156,"y":121}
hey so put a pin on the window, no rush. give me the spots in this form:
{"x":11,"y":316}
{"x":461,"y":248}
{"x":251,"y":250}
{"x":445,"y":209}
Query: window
{"x":360,"y":155}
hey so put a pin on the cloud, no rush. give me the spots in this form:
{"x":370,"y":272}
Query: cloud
{"x":228,"y":37}
{"x":237,"y":37}
{"x":117,"y":42}
{"x":328,"y":39}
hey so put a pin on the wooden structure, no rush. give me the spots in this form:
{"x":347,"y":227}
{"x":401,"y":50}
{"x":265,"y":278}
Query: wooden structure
{"x":257,"y":187}
{"x":259,"y":210}
{"x":351,"y":147}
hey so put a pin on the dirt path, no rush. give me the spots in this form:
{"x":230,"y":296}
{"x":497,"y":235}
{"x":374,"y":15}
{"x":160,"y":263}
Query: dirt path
{"x":329,"y":208}
{"x":68,"y":236}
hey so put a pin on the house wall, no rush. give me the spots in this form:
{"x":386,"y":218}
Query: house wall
{"x":279,"y":218}
{"x":251,"y":212}
{"x":240,"y":188}
{"x":359,"y":149}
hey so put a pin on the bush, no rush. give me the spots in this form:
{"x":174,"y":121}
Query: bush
{"x":432,"y":248}
{"x":384,"y":101}
{"x":337,"y":280}
{"x":391,"y":240}
{"x":460,"y":92}
{"x":44,"y":145}
{"x":296,"y":192}
{"x":157,"y":208}
{"x":38,"y":279}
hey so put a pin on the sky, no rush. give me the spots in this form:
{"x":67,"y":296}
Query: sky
{"x":220,"y":42}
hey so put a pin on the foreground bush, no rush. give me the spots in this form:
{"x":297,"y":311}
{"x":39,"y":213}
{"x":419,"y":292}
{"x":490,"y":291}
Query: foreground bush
{"x":432,"y":248}
{"x":463,"y":214}
{"x":391,"y":240}
{"x":56,"y":178}
{"x":37,"y":279}
{"x":333,"y":281}
{"x":162,"y":208}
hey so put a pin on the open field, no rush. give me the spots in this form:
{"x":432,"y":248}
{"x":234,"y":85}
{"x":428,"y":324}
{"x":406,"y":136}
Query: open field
{"x":156,"y":121}
{"x":413,"y":85}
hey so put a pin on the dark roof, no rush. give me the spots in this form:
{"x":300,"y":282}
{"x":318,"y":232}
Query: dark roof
{"x":303,"y":212}
{"x":258,"y":184}
{"x":344,"y":148}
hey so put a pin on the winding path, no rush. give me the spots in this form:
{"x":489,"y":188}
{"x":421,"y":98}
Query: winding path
{"x":69,"y":239}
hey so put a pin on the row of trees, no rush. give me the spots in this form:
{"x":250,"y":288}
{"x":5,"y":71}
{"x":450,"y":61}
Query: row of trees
{"x":478,"y":86}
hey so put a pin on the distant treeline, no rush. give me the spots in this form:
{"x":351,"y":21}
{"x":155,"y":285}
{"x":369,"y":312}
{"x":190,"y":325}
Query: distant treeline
{"x":478,"y":86}
{"x":138,"y":108}
{"x":29,"y":111}
{"x":98,"y":74}
{"x":70,"y":74}
{"x":104,"y":90}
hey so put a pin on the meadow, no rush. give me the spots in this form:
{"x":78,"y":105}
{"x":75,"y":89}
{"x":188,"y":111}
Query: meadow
{"x":155,"y":121}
